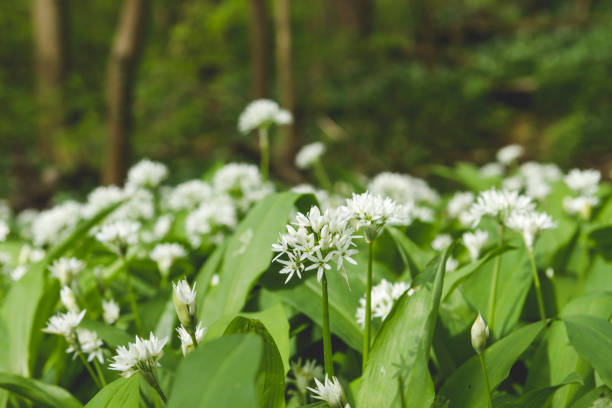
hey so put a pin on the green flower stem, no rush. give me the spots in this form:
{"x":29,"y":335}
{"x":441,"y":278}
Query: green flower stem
{"x":400,"y":385}
{"x":133,"y":303}
{"x":151,"y":378}
{"x":264,"y":149}
{"x":536,"y":283}
{"x":100,"y":372}
{"x":321,"y":175}
{"x":327,"y":348}
{"x":88,"y":366}
{"x":486,"y":379}
{"x":368,"y":310}
{"x":494,"y":279}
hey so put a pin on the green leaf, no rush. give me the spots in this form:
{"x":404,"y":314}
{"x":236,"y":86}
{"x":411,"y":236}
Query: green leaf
{"x":111,"y":335}
{"x":205,"y":274}
{"x":271,"y":374}
{"x":536,"y":398}
{"x":220,"y":373}
{"x":592,"y":339}
{"x":402,"y":346}
{"x":248,"y":255}
{"x":123,"y":392}
{"x":602,"y":238}
{"x":416,"y":257}
{"x":465,"y":388}
{"x":40,"y":393}
{"x":465,"y":174}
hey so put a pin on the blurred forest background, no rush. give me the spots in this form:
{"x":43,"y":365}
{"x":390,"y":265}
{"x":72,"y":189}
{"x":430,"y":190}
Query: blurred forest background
{"x":87,"y":87}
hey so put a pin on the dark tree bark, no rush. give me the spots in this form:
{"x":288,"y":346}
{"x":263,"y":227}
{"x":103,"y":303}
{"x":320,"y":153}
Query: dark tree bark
{"x":122,"y":66}
{"x":259,"y":69}
{"x":356,"y":15}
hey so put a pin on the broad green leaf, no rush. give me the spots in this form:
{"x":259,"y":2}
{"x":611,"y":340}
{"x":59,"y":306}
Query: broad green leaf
{"x":537,"y":398}
{"x":465,"y":388}
{"x":40,"y":393}
{"x":602,"y":238}
{"x":592,"y":339}
{"x":248,"y":255}
{"x":123,"y":392}
{"x":271,"y":374}
{"x":465,"y":174}
{"x":401,"y":347}
{"x":220,"y":373}
{"x":204,"y":276}
{"x":598,"y":394}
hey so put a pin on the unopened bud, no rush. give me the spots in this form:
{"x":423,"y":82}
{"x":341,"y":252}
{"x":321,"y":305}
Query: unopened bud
{"x":184,"y":298}
{"x":480,"y":334}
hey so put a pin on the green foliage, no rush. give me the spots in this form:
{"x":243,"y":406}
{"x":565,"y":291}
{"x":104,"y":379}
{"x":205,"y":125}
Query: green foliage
{"x":43,"y":395}
{"x":123,"y":392}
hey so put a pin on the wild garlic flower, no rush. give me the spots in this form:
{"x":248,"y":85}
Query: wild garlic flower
{"x":187,"y":341}
{"x":582,"y":205}
{"x":119,"y":235}
{"x":384,"y":296}
{"x":491,"y":170}
{"x":459,"y":204}
{"x":480,"y":334}
{"x":66,"y":269}
{"x":140,"y":206}
{"x":64,"y":324}
{"x":498,"y":204}
{"x":303,"y":374}
{"x":146,"y":174}
{"x":55,"y":223}
{"x":529,"y":224}
{"x":317,"y":241}
{"x":212,"y":217}
{"x":371,"y":212}
{"x":451,"y":264}
{"x":184,"y":299}
{"x":4,"y":230}
{"x":69,"y":300}
{"x":165,"y":255}
{"x":262,"y":113}
{"x":330,"y":392}
{"x":474,"y":242}
{"x":309,"y":154}
{"x":110,"y":311}
{"x":101,"y":198}
{"x":243,"y":183}
{"x":25,"y":223}
{"x":508,"y":154}
{"x":537,"y":178}
{"x":142,"y":356}
{"x":403,"y":188}
{"x":89,"y":343}
{"x":189,"y":195}
{"x":583,"y":182}
{"x":441,"y":242}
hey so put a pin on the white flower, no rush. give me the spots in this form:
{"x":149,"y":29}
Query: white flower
{"x":89,"y":343}
{"x":165,"y":255}
{"x":330,"y":392}
{"x":189,"y":195}
{"x":373,"y":212}
{"x":56,"y":223}
{"x":402,"y":188}
{"x":184,"y":299}
{"x":101,"y":198}
{"x":118,"y":235}
{"x":383,"y":296}
{"x":309,"y":154}
{"x":460,"y":203}
{"x":513,"y":183}
{"x":499,"y":204}
{"x":243,"y":183}
{"x":580,"y":205}
{"x":25,"y":222}
{"x":187,"y":341}
{"x":507,"y":154}
{"x":451,"y":264}
{"x":550,"y":273}
{"x":69,"y":300}
{"x":147,"y":174}
{"x":18,"y":273}
{"x":142,"y":356}
{"x":4,"y":230}
{"x":491,"y":170}
{"x":140,"y":206}
{"x":474,"y":242}
{"x":584,"y":182}
{"x":28,"y":254}
{"x":66,"y":269}
{"x":304,"y":374}
{"x":537,"y":178}
{"x":213,"y":216}
{"x":441,"y":242}
{"x":480,"y":334}
{"x":64,"y":324}
{"x":262,"y":113}
{"x":110,"y":310}
{"x":529,"y":223}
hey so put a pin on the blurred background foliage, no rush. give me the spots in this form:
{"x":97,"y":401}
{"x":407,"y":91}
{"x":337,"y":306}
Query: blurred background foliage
{"x":387,"y":85}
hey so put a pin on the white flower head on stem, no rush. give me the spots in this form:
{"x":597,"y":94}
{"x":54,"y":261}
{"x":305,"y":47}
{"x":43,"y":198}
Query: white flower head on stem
{"x":186,"y":339}
{"x":508,"y":154}
{"x":69,"y":300}
{"x":147,"y":174}
{"x":460,"y":203}
{"x":403,"y":188}
{"x":480,"y":334}
{"x":330,"y":392}
{"x":384,"y":296}
{"x":304,"y":373}
{"x":372,"y":212}
{"x":441,"y":242}
{"x":110,"y":310}
{"x":309,"y":154}
{"x":89,"y":343}
{"x":581,"y":205}
{"x":262,"y":113}
{"x":118,"y":235}
{"x":64,"y":324}
{"x":165,"y":255}
{"x":474,"y":242}
{"x":499,"y":204}
{"x":529,"y":224}
{"x":184,"y":298}
{"x":583,"y":182}
{"x":66,"y":269}
{"x":141,"y":356}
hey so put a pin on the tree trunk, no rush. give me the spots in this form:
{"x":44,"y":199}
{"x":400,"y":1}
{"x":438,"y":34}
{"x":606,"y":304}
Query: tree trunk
{"x":122,"y":66}
{"x":50,"y":35}
{"x":356,"y":15}
{"x":287,"y":145}
{"x":259,"y":70}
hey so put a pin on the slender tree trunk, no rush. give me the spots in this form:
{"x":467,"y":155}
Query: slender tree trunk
{"x":50,"y":35}
{"x":259,"y":70}
{"x":426,"y":30}
{"x":122,"y":66}
{"x":287,"y":141}
{"x":356,"y":15}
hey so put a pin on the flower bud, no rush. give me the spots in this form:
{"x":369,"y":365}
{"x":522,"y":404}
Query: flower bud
{"x":480,"y":334}
{"x":183,"y":298}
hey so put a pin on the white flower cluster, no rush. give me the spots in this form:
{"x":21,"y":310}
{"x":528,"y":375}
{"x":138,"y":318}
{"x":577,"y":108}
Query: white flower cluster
{"x":66,"y":269}
{"x":509,"y":154}
{"x":186,"y":339}
{"x":403,"y":188}
{"x":474,"y":242}
{"x":27,"y":256}
{"x":165,"y":254}
{"x":262,"y":113}
{"x":184,"y":299}
{"x":110,"y":311}
{"x":55,"y":223}
{"x":212,"y":218}
{"x":537,"y":178}
{"x":69,"y":300}
{"x":88,"y":342}
{"x":330,"y":391}
{"x":383,"y":296}
{"x":309,"y":154}
{"x":498,"y":204}
{"x":243,"y":183}
{"x":189,"y":195}
{"x":101,"y":198}
{"x":4,"y":230}
{"x":64,"y":324}
{"x":585,"y":184}
{"x":529,"y":224}
{"x":79,"y":340}
{"x":146,"y":174}
{"x":492,"y":170}
{"x":142,"y":356}
{"x":317,"y":241}
{"x":119,"y":235}
{"x":441,"y":242}
{"x":459,"y":205}
{"x":303,"y":374}
{"x":371,"y":212}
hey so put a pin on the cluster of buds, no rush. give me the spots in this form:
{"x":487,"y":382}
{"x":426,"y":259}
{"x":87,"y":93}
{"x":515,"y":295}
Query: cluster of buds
{"x":191,"y":331}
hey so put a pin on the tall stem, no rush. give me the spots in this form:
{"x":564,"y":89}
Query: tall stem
{"x":153,"y":381}
{"x":91,"y":371}
{"x":536,"y":283}
{"x":494,"y":279}
{"x":368,"y":310}
{"x":100,"y":373}
{"x":483,"y":366}
{"x":327,"y":348}
{"x":264,"y":149}
{"x":133,"y":303}
{"x":400,"y":384}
